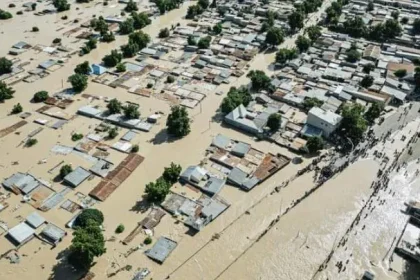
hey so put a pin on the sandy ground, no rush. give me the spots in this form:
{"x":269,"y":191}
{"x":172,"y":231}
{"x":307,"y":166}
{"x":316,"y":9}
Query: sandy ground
{"x":292,"y":250}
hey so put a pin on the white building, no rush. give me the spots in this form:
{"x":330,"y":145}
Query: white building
{"x":325,"y":120}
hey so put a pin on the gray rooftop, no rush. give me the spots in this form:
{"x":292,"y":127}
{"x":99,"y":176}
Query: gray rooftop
{"x":237,"y":176}
{"x":21,"y":232}
{"x":221,"y":141}
{"x":76,"y":177}
{"x":102,"y":168}
{"x":241,"y":149}
{"x":53,"y":233}
{"x":24,"y":182}
{"x":161,"y":250}
{"x":35,"y":220}
{"x":129,"y":136}
{"x":213,"y":185}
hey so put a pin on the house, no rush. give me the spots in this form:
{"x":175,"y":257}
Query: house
{"x":21,"y":182}
{"x":327,"y":121}
{"x":202,"y":179}
{"x":35,"y":220}
{"x":76,"y":177}
{"x":252,"y":122}
{"x":98,"y":69}
{"x":21,"y":233}
{"x":162,"y":249}
{"x":53,"y":233}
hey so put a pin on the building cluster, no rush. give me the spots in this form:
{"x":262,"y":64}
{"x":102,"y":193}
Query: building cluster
{"x":196,"y":200}
{"x":325,"y":74}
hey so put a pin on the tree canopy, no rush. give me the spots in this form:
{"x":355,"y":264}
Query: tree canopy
{"x":296,"y":20}
{"x":314,"y":144}
{"x":112,"y":59}
{"x":353,"y":124}
{"x":131,"y":111}
{"x":40,"y":96}
{"x":400,"y":73}
{"x":89,"y":215}
{"x":178,"y":121}
{"x":61,"y":5}
{"x":164,"y":33}
{"x":126,"y":27}
{"x":171,"y":173}
{"x":194,"y":11}
{"x":275,"y":36}
{"x":314,"y":32}
{"x":217,"y":28}
{"x":374,"y":112}
{"x":311,"y":102}
{"x":157,"y":191}
{"x":283,"y":55}
{"x":88,"y":242}
{"x":355,"y":27}
{"x":302,"y":43}
{"x":140,"y":20}
{"x":274,"y":122}
{"x":131,"y":7}
{"x":204,"y":43}
{"x":78,"y":82}
{"x":6,"y":92}
{"x":368,"y":67}
{"x":367,"y":81}
{"x":114,"y":106}
{"x":83,"y":68}
{"x":5,"y":66}
{"x":259,"y":80}
{"x":139,"y":38}
{"x":352,"y":55}
{"x":5,"y":14}
{"x":416,"y":26}
{"x":65,"y":170}
{"x":234,"y":98}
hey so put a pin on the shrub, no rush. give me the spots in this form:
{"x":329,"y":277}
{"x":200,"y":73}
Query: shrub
{"x":135,"y":149}
{"x":17,"y":109}
{"x":41,"y":96}
{"x":19,"y":13}
{"x":400,"y":73}
{"x":112,"y":133}
{"x":57,"y":41}
{"x":170,"y":79}
{"x":120,"y":67}
{"x":149,"y":85}
{"x":31,"y":142}
{"x":65,"y":170}
{"x":64,"y":17}
{"x":6,"y":15}
{"x":11,"y":5}
{"x":164,"y":33}
{"x":148,"y":240}
{"x":120,"y":228}
{"x":76,"y":136}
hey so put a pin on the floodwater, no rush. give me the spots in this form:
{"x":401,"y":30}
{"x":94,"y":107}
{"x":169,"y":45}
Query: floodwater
{"x":292,"y":249}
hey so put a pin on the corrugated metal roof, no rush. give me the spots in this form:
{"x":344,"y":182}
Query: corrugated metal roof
{"x":76,"y":177}
{"x":161,"y":250}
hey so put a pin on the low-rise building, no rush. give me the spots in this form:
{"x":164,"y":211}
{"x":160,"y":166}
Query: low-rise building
{"x":327,"y":121}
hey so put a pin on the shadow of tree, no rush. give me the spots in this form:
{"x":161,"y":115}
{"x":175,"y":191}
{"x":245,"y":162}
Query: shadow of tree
{"x":142,"y":205}
{"x":63,"y":270}
{"x":163,"y":137}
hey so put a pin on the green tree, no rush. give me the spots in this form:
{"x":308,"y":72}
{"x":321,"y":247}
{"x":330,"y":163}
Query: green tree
{"x":314,"y":144}
{"x":76,"y":136}
{"x":217,"y":29}
{"x":157,"y":191}
{"x":178,"y":122}
{"x":400,"y":73}
{"x":120,"y":67}
{"x":171,"y":173}
{"x":355,"y":27}
{"x":99,"y":25}
{"x":274,"y":36}
{"x":370,"y":6}
{"x":367,"y":81}
{"x":61,"y":5}
{"x":112,"y":133}
{"x":391,"y":29}
{"x":283,"y":55}
{"x":368,"y":67}
{"x":112,"y":59}
{"x":164,"y":33}
{"x":203,"y":4}
{"x":213,"y":4}
{"x":5,"y":92}
{"x":314,"y":32}
{"x":108,"y":37}
{"x":91,"y":43}
{"x":5,"y":66}
{"x":89,"y":215}
{"x":114,"y":106}
{"x":148,"y":240}
{"x":274,"y":122}
{"x":31,"y":142}
{"x":78,"y":82}
{"x":65,"y":170}
{"x":129,"y":50}
{"x":140,"y":20}
{"x":194,"y":11}
{"x":120,"y":229}
{"x":5,"y":15}
{"x":131,"y":7}
{"x":259,"y":80}
{"x":296,"y":20}
{"x":404,"y":20}
{"x":302,"y":43}
{"x":204,"y":43}
{"x":83,"y":68}
{"x":126,"y":27}
{"x":416,"y":79}
{"x":234,"y":98}
{"x":353,"y":124}
{"x":17,"y":109}
{"x":191,"y":40}
{"x":170,"y":79}
{"x":35,"y":29}
{"x":311,"y":102}
{"x":135,"y":148}
{"x":139,"y":38}
{"x":40,"y":96}
{"x":88,"y":242}
{"x":395,"y":14}
{"x":131,"y":111}
{"x":374,"y":112}
{"x":353,"y":56}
